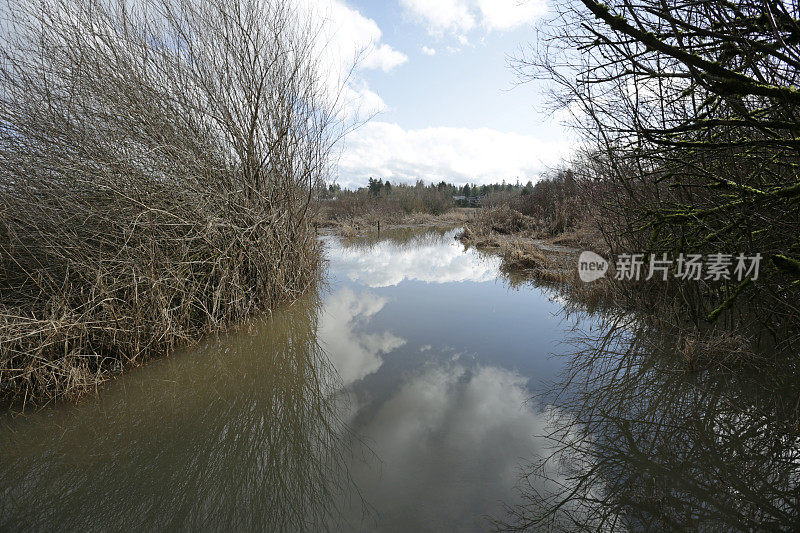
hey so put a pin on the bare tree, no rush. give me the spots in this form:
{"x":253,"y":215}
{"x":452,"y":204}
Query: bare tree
{"x":693,"y":109}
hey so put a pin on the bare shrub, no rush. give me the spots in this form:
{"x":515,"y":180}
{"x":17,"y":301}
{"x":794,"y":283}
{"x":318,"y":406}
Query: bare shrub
{"x":500,"y":219}
{"x":156,"y":168}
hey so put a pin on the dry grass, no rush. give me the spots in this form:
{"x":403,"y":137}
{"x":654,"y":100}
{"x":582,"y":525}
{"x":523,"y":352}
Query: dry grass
{"x":363,"y":224}
{"x":723,"y":350}
{"x":530,"y":255}
{"x":502,"y":219}
{"x":150,"y":195}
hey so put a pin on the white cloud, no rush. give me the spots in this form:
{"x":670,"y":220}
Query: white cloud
{"x":451,"y":438}
{"x":388,"y":263}
{"x":346,"y":37}
{"x":460,"y":155}
{"x":360,"y":100}
{"x":428,"y":51}
{"x":441,"y":15}
{"x":508,"y":14}
{"x":384,"y":57}
{"x":460,"y":16}
{"x":349,"y":34}
{"x":355,"y":353}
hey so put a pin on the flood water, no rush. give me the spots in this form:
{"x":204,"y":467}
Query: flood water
{"x":396,"y":399}
{"x":402,"y":397}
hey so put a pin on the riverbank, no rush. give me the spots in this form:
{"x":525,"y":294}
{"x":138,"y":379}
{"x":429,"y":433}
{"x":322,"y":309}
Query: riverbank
{"x":527,"y":252}
{"x":133,"y":219}
{"x":369,"y":223}
{"x":532,"y":253}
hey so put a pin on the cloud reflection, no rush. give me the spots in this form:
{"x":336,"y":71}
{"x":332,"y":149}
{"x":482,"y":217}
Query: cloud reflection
{"x":354,"y":353}
{"x":449,"y":441}
{"x":432,"y":261}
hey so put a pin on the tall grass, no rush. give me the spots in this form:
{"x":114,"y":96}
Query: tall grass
{"x":156,"y":167}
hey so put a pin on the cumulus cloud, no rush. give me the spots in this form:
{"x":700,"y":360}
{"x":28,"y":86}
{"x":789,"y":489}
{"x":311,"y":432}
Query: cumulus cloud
{"x":509,"y":14}
{"x":359,"y":100}
{"x":481,"y":155}
{"x":346,"y":37}
{"x":428,"y":51}
{"x":384,"y":57}
{"x":461,"y":16}
{"x":449,"y":440}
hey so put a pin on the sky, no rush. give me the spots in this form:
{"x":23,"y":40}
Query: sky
{"x":434,"y":77}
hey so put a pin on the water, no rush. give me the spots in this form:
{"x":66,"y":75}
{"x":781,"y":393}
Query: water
{"x":398,"y":398}
{"x":440,"y":357}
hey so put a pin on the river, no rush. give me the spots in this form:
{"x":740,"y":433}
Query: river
{"x":409,"y":394}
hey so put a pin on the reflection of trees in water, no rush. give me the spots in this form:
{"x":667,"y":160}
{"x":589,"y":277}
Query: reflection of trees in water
{"x":403,"y":238}
{"x":244,"y":434}
{"x":642,"y":444}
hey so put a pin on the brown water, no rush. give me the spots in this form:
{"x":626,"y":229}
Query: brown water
{"x":396,"y":399}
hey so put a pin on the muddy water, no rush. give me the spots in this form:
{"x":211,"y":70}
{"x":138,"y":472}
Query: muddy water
{"x":396,"y":399}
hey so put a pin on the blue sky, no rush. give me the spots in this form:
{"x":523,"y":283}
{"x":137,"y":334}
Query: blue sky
{"x":437,"y":70}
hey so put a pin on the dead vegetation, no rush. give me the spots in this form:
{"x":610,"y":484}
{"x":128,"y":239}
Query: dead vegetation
{"x":156,"y":169}
{"x":370,"y":223}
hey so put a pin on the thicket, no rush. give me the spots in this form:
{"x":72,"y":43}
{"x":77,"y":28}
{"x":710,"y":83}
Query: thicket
{"x":555,"y":202}
{"x":157,"y":165}
{"x":383,"y":200}
{"x":691,"y":113}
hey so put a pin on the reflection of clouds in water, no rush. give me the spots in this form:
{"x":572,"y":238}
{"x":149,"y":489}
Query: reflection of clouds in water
{"x":450,"y":441}
{"x":388,"y":264}
{"x":354,"y":354}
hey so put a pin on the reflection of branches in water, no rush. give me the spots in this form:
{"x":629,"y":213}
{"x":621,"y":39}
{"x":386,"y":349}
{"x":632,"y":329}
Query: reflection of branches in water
{"x":247,"y":436}
{"x":649,"y":446}
{"x":403,"y":238}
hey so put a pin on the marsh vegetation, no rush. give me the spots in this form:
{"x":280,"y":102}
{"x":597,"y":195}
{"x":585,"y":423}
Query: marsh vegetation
{"x":157,"y":163}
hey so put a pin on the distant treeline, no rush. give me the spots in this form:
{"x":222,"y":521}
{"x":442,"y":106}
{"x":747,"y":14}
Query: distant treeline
{"x":386,"y":199}
{"x":380,"y":187}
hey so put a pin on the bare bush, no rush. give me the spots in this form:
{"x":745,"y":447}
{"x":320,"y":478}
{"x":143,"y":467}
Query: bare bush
{"x":157,"y":161}
{"x":501,"y":218}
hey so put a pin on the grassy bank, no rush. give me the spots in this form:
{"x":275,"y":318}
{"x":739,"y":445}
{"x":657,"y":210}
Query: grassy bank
{"x":150,"y":194}
{"x":530,"y":251}
{"x":368,"y":223}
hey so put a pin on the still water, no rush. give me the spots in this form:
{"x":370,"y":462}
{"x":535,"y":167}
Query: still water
{"x":420,"y":390}
{"x":395,"y":399}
